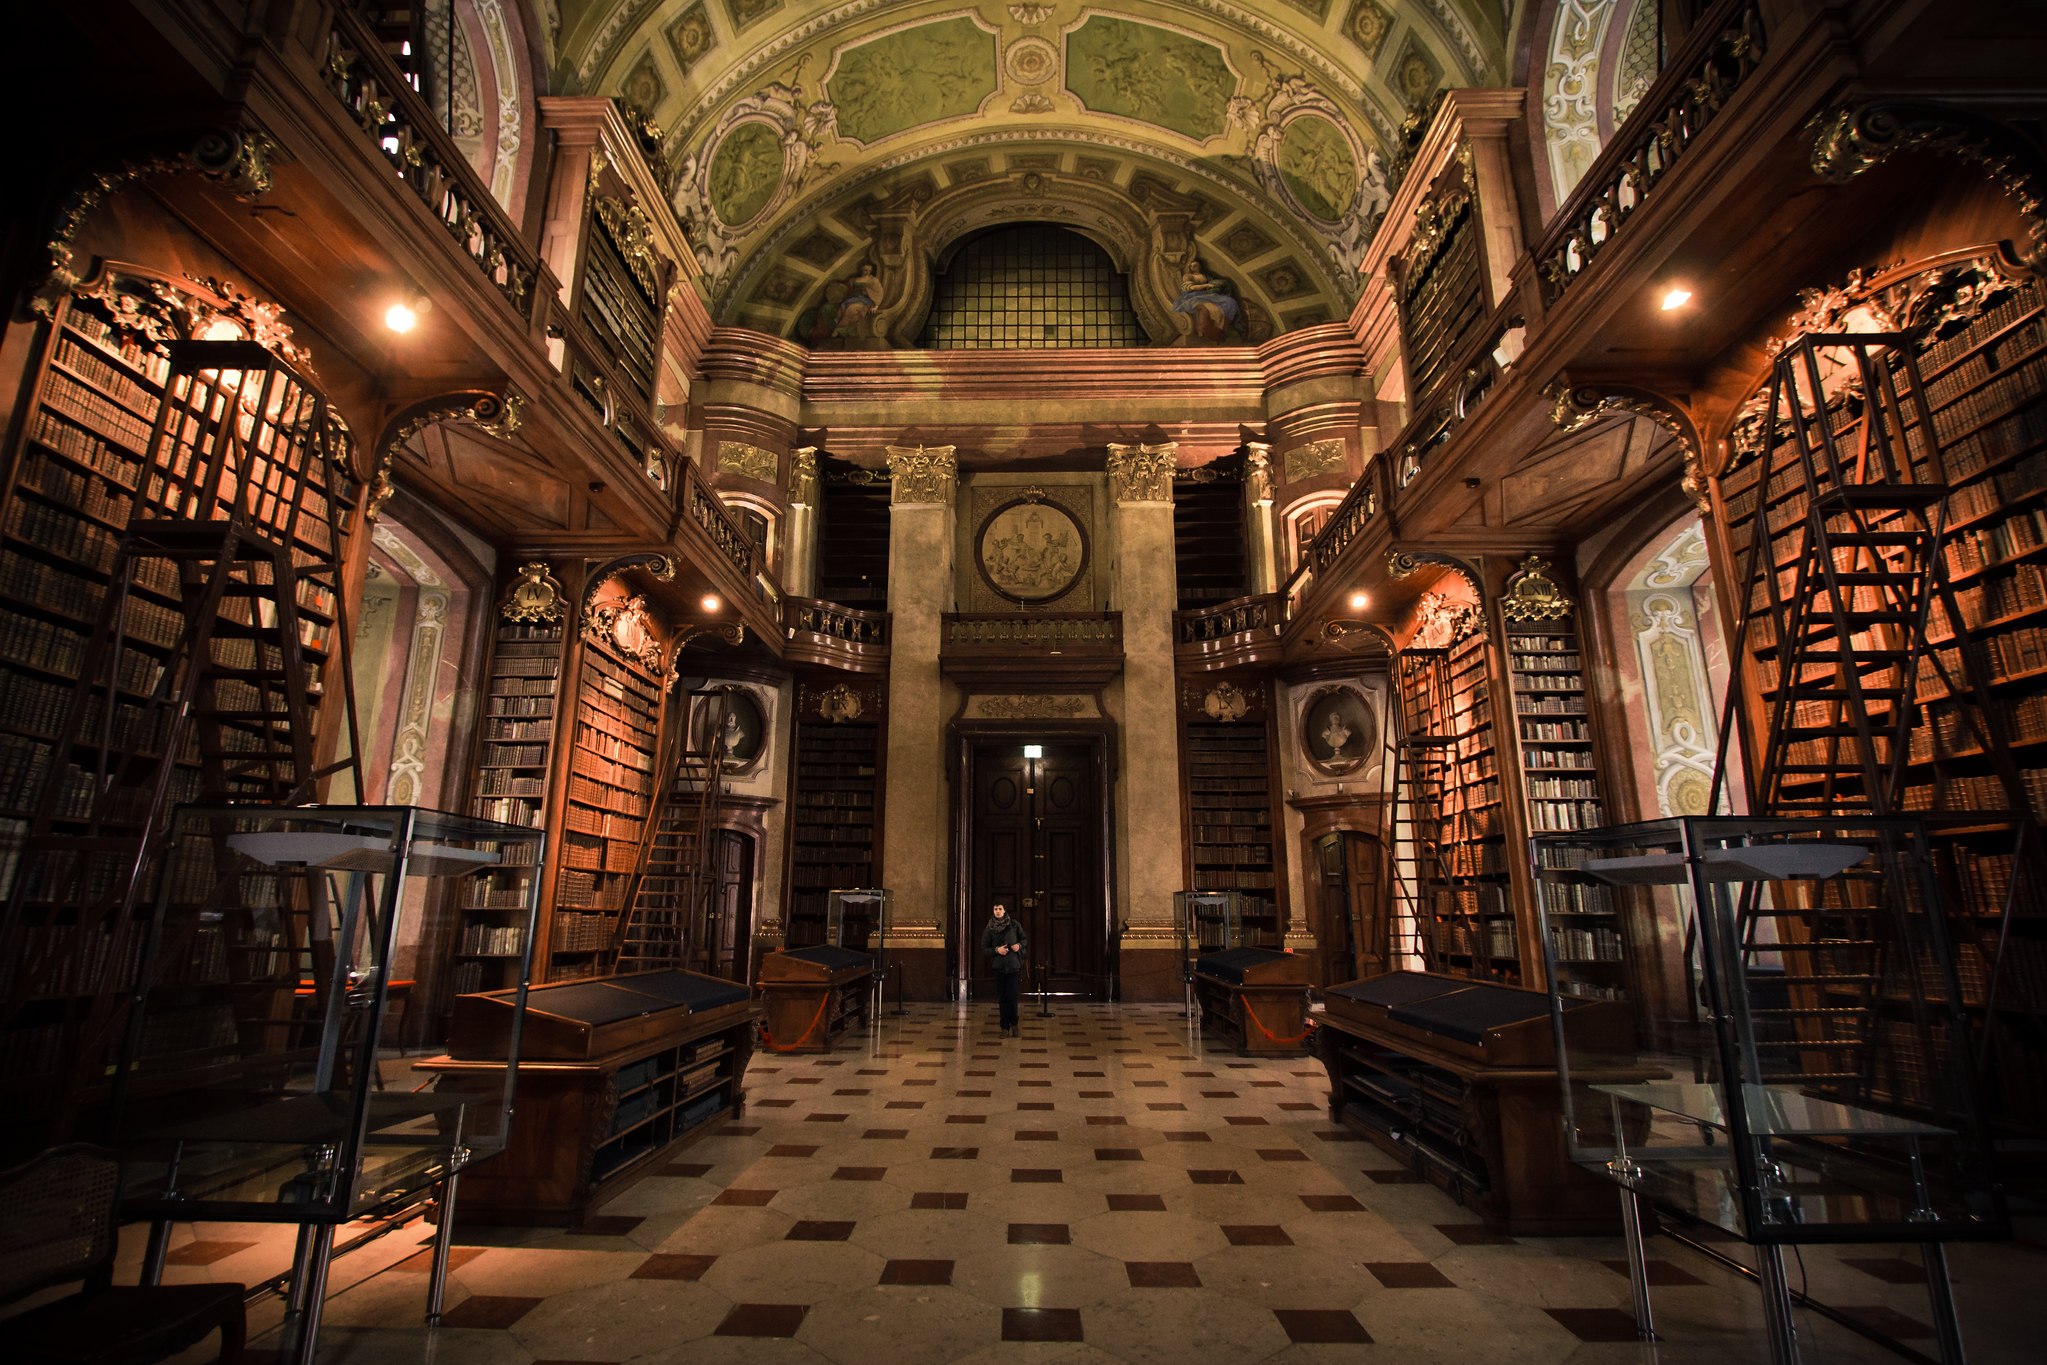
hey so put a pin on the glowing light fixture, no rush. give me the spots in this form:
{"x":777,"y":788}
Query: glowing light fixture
{"x":404,"y":314}
{"x":1034,"y":751}
{"x":711,"y":602}
{"x":1675,"y":297}
{"x":1359,"y":601}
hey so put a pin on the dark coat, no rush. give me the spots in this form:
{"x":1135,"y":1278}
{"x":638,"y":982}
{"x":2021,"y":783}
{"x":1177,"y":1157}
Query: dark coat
{"x":998,"y":934}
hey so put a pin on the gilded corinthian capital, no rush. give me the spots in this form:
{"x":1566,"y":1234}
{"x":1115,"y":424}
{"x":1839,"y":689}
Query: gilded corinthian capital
{"x":1142,"y":473}
{"x":922,"y":474}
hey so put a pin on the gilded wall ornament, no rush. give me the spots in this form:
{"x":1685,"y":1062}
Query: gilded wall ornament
{"x":1314,"y":459}
{"x":1225,"y":701}
{"x":1851,"y":139}
{"x":632,"y":230}
{"x":1441,"y":621}
{"x":1532,"y":595}
{"x":839,"y":704}
{"x":627,"y":625}
{"x":534,"y":597}
{"x":1142,"y":473}
{"x":238,"y":158}
{"x":922,"y":474}
{"x":748,"y":461}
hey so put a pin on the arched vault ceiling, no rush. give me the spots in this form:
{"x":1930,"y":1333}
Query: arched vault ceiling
{"x":1263,"y":125}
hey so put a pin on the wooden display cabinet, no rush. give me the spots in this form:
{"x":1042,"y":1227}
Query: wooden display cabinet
{"x":1255,"y":997}
{"x":814,"y":994}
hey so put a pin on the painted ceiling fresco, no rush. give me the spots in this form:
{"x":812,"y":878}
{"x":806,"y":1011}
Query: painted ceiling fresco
{"x":1267,"y":126}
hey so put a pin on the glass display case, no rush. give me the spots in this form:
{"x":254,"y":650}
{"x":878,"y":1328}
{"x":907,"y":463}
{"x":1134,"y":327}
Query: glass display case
{"x":1816,"y":1084}
{"x":249,"y":1088}
{"x":862,"y":918}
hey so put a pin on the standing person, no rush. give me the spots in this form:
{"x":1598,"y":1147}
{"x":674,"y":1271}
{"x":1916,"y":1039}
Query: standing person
{"x":1003,"y":943}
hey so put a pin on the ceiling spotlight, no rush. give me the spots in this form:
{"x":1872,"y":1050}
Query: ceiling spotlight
{"x":1675,"y":297}
{"x":711,"y":602}
{"x":404,"y":315}
{"x":1359,"y":601}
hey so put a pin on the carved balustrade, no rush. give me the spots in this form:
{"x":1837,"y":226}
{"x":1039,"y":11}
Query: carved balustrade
{"x":703,"y":507}
{"x":1723,"y":49}
{"x":825,"y":633}
{"x":392,"y":114}
{"x":1230,"y":634}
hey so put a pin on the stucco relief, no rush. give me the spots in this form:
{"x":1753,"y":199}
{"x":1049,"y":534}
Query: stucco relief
{"x":1031,"y":550}
{"x":1570,"y":90}
{"x":1314,"y":459}
{"x":748,"y":461}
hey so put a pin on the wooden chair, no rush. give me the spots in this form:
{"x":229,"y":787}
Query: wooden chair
{"x":58,"y":1225}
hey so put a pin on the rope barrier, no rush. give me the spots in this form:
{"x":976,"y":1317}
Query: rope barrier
{"x":768,"y":1039}
{"x":1259,"y":1024}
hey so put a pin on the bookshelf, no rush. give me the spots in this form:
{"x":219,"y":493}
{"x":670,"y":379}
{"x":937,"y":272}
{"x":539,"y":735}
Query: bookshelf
{"x":1559,"y":779}
{"x":610,"y":802}
{"x":621,"y":298}
{"x":832,"y":843}
{"x":124,"y":422}
{"x":1467,"y":922}
{"x":1208,"y":532}
{"x":1982,"y":361}
{"x":1228,"y":767}
{"x":514,"y":750}
{"x":852,"y":537}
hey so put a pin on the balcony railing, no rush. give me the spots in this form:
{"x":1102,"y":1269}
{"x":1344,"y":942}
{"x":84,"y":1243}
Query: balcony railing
{"x":1050,"y":632}
{"x":382,"y":102}
{"x":1696,"y":84}
{"x":1243,"y":616}
{"x":815,"y":616}
{"x":703,"y":507}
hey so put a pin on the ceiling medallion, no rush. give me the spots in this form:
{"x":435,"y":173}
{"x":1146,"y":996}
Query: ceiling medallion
{"x":1031,"y":61}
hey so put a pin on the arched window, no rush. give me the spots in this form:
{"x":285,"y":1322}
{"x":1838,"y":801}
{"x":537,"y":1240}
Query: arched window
{"x":1029,"y":286}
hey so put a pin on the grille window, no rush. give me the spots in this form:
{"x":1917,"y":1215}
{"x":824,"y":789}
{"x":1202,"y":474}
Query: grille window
{"x":1027,"y":287}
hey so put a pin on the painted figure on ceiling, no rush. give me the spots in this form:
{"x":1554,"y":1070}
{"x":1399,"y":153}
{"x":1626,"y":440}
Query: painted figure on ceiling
{"x":1211,"y":304}
{"x":844,"y":321}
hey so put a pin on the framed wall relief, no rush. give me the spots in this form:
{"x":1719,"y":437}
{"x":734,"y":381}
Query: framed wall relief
{"x":1338,"y":731}
{"x":1030,"y":550}
{"x":744,"y":726}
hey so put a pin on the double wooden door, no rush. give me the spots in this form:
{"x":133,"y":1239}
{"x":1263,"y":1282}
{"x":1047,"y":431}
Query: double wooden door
{"x":1035,"y":845}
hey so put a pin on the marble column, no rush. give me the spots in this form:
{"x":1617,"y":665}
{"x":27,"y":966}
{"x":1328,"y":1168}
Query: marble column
{"x":799,"y":533}
{"x":1149,"y":867}
{"x":916,"y":820}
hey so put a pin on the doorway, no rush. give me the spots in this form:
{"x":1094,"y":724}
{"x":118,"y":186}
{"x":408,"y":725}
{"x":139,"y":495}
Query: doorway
{"x":728,"y":929}
{"x":1034,"y":842}
{"x":1350,"y":914}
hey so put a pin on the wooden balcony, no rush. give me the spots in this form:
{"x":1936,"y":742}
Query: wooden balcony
{"x":831,"y":636}
{"x":1071,"y":649}
{"x":1230,"y":634}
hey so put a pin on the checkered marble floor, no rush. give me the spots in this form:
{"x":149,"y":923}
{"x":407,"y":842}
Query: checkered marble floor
{"x":1106,"y":1187}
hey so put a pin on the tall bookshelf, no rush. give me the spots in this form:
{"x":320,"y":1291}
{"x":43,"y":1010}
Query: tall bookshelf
{"x":1980,"y":340}
{"x":1559,"y":779}
{"x":833,"y":825}
{"x":115,"y":427}
{"x":1474,"y":932}
{"x":621,"y":294}
{"x":513,"y":755}
{"x":1228,"y":765}
{"x":611,"y":799}
{"x":1208,"y":532}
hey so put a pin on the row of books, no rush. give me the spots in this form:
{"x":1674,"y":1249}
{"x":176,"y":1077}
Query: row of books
{"x":509,"y":811}
{"x":1559,"y":898}
{"x":1594,"y":944}
{"x":503,"y":782}
{"x":493,"y":940}
{"x":1565,"y":815}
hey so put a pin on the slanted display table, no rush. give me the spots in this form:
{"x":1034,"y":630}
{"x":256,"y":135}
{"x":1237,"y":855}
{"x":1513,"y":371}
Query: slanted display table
{"x":1256,"y":997}
{"x":616,"y":1071}
{"x":1460,"y":1080}
{"x":814,"y":994}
